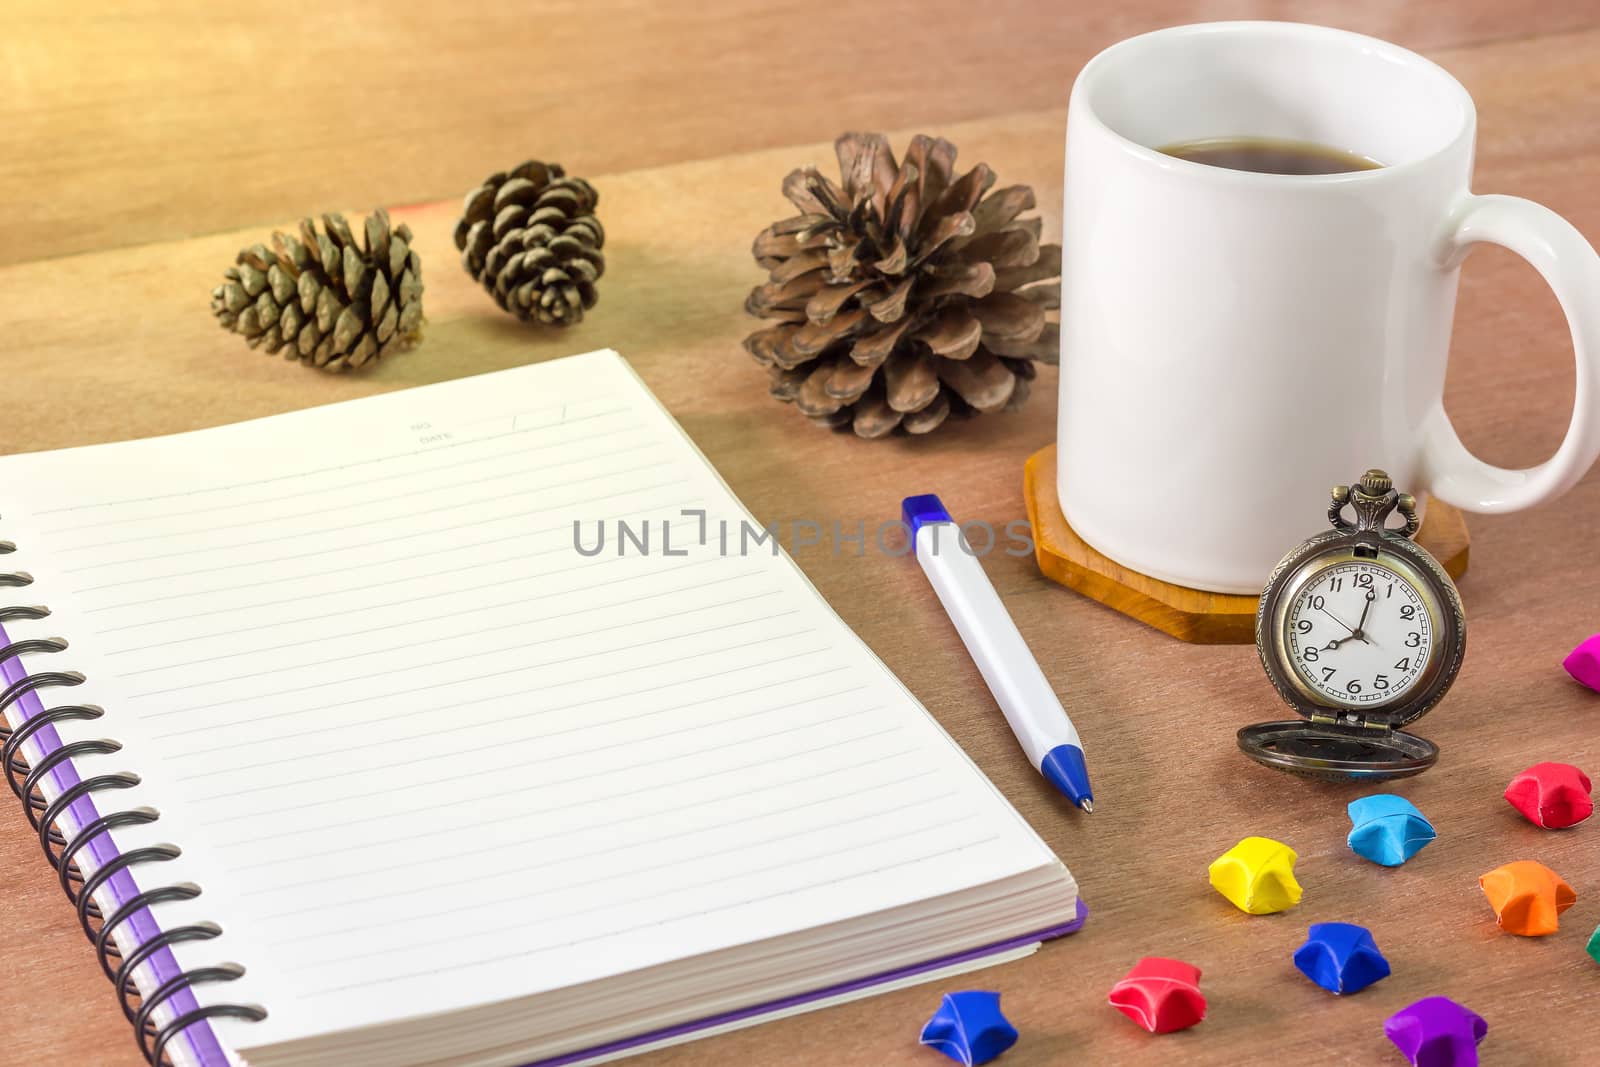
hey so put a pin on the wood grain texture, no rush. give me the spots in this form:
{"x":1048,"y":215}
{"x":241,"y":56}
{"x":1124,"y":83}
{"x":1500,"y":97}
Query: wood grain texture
{"x":118,"y":343}
{"x":129,"y":123}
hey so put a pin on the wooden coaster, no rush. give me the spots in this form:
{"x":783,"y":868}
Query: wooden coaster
{"x":1188,"y":614}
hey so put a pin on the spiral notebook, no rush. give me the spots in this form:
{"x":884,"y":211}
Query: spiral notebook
{"x":354,"y":740}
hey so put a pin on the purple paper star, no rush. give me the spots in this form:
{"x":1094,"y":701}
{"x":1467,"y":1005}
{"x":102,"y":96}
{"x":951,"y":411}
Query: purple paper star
{"x":1437,"y":1032}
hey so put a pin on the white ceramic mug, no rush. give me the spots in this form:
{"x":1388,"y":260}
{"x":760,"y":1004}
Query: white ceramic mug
{"x":1234,"y":344}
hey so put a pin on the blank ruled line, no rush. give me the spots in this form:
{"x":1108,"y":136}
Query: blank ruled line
{"x":325,"y":594}
{"x":649,"y":761}
{"x":520,"y":764}
{"x":365,"y":871}
{"x":411,"y":493}
{"x":524,"y":714}
{"x":387,"y":519}
{"x":520,"y":691}
{"x":476,"y":676}
{"x":287,"y":579}
{"x":513,"y":416}
{"x":474,"y":653}
{"x":337,"y":467}
{"x":502,"y":794}
{"x":522,"y":717}
{"x":497,"y":584}
{"x":392,"y":893}
{"x":433,"y":620}
{"x":722,"y":908}
{"x":355,"y":546}
{"x":345,"y":849}
{"x":349,"y":925}
{"x":362,"y":483}
{"x":456,"y":934}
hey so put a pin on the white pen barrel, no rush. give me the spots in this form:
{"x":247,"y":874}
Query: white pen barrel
{"x":1013,"y":675}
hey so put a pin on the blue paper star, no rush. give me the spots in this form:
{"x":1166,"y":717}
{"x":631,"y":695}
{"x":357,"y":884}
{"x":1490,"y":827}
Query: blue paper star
{"x":969,"y":1028}
{"x":1387,"y":829}
{"x":1341,"y":957}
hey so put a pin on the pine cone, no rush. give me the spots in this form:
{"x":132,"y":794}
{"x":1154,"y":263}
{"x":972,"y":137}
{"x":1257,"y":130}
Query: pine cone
{"x":329,"y":300}
{"x":907,"y":295}
{"x":532,"y":239}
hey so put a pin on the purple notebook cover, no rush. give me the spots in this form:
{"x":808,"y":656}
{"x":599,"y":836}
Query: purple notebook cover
{"x":202,"y":1041}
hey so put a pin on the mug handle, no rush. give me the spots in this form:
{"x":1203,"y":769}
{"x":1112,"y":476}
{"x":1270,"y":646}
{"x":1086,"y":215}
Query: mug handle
{"x":1555,"y":248}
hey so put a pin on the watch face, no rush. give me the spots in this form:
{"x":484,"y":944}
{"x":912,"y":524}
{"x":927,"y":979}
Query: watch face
{"x":1358,"y":633}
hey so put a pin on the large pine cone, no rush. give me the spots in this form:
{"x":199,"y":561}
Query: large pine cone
{"x":906,"y":296}
{"x":532,"y":238}
{"x":326,"y":298}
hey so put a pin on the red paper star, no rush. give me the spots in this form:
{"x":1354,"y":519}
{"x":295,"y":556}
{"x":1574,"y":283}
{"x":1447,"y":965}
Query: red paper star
{"x":1160,"y":995}
{"x":1551,"y":795}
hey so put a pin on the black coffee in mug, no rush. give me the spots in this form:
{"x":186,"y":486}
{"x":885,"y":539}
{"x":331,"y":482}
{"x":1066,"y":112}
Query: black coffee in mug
{"x":1270,"y":155}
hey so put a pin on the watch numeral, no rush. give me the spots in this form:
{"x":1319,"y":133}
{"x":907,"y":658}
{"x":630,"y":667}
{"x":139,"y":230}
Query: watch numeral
{"x":1390,"y":593}
{"x":1304,"y":626}
{"x":1314,"y":603}
{"x":1413,"y":639}
{"x":1353,"y":686}
{"x":1328,"y":673}
{"x":1408,"y":612}
{"x":1381,"y":682}
{"x":1311,"y":654}
{"x":1364,"y":579}
{"x":1403,"y":664}
{"x":1335,"y":584}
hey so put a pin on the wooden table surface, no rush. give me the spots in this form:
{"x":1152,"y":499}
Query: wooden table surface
{"x":128,"y":141}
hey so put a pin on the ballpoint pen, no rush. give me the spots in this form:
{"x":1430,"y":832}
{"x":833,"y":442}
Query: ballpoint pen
{"x":1013,"y":675}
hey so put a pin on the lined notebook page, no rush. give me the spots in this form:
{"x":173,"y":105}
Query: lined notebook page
{"x":421,"y":752}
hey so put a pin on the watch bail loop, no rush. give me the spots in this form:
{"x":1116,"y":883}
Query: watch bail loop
{"x":1372,"y":499}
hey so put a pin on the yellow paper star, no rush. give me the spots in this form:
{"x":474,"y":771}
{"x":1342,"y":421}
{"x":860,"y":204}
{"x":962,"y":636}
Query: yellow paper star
{"x":1257,"y":876}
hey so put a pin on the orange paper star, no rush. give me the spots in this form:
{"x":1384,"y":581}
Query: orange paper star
{"x":1527,"y":897}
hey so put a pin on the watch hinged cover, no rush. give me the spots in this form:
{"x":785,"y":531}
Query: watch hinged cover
{"x":1328,"y":748}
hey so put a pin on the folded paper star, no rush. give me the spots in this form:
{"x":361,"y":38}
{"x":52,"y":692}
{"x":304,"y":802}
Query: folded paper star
{"x":1527,"y":897}
{"x":1341,"y":957}
{"x":1551,"y":795}
{"x":1257,"y":875}
{"x":1583,"y":663}
{"x":1593,"y":947}
{"x":969,"y":1028}
{"x":1387,"y":829}
{"x":1160,"y":995}
{"x":1437,"y":1032}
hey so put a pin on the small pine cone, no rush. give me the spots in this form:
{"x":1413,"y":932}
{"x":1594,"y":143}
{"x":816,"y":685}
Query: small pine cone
{"x":906,"y":296}
{"x":326,"y":298}
{"x":532,"y":238}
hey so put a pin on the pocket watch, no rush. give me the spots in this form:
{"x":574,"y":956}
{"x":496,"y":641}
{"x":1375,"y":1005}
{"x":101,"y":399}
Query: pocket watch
{"x":1361,"y":632}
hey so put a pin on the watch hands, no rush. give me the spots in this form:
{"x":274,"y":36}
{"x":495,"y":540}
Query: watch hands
{"x":1371,"y":596}
{"x":1355,"y":631}
{"x":1338,"y":620}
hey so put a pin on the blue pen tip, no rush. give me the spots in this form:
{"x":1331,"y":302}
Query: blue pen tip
{"x":1063,"y":766}
{"x":918,"y":511}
